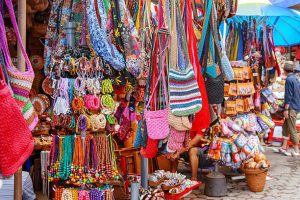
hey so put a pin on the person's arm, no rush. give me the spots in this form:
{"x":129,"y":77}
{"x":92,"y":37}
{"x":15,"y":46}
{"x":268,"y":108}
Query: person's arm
{"x":193,"y":142}
{"x":288,"y":95}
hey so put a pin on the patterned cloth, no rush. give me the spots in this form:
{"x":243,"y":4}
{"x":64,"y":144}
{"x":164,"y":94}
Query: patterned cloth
{"x":7,"y":189}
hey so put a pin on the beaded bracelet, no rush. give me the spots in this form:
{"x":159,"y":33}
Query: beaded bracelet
{"x":77,"y":103}
{"x":97,"y":122}
{"x":80,"y":86}
{"x":107,"y":86}
{"x":91,"y":102}
{"x":83,"y":123}
{"x":111,"y":119}
{"x":108,"y":102}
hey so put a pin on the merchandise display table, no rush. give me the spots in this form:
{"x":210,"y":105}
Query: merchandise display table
{"x":276,"y":133}
{"x":182,"y":194}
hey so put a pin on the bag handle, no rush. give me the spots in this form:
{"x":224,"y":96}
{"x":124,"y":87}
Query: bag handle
{"x":223,"y":37}
{"x":83,"y":30}
{"x":205,"y":27}
{"x":162,"y":57}
{"x":16,"y":30}
{"x":174,"y":37}
{"x":2,"y":78}
{"x":183,"y":36}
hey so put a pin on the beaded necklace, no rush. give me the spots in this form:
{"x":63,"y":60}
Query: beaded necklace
{"x":71,"y":85}
{"x":108,"y":194}
{"x":67,"y":195}
{"x":74,"y":193}
{"x":58,"y":193}
{"x":90,"y":158}
{"x":78,"y":161}
{"x":96,"y":194}
{"x":66,"y":161}
{"x":113,"y":158}
{"x":83,"y":195}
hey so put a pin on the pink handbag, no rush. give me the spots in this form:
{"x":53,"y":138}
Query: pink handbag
{"x":176,"y":140}
{"x":157,"y":121}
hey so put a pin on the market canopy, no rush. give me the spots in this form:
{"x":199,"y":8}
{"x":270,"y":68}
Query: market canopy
{"x":285,"y":3}
{"x":285,"y":21}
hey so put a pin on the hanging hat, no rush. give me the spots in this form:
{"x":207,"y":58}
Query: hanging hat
{"x":37,"y":61}
{"x":40,"y":103}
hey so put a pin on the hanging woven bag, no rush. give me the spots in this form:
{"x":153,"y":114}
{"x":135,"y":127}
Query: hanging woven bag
{"x":20,"y":82}
{"x":97,"y":26}
{"x":16,"y":140}
{"x":185,"y":96}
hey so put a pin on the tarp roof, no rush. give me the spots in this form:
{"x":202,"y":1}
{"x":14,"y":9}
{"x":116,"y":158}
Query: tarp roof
{"x":285,"y":3}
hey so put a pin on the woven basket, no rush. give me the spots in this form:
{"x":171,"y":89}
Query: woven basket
{"x":256,"y":179}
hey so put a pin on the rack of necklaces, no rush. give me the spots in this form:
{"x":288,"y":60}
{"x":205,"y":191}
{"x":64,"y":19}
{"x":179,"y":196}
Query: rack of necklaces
{"x":96,"y":100}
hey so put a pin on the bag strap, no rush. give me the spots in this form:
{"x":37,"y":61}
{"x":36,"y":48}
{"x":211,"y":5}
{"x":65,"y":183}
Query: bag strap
{"x":183,"y":36}
{"x":223,"y":37}
{"x":174,"y":37}
{"x":2,"y":78}
{"x":205,"y":27}
{"x":162,"y":57}
{"x":16,"y":30}
{"x":84,"y":25}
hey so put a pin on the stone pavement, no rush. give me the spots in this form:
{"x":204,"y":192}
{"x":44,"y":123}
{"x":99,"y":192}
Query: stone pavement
{"x":284,"y":185}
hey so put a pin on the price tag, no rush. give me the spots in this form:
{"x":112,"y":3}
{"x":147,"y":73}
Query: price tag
{"x":1,"y":183}
{"x":255,"y":74}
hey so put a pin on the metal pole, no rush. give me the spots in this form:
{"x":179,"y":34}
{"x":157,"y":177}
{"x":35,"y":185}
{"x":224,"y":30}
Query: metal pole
{"x":144,"y":172}
{"x":22,"y":67}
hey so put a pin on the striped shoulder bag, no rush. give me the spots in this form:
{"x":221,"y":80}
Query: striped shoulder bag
{"x":185,"y":96}
{"x":20,"y":82}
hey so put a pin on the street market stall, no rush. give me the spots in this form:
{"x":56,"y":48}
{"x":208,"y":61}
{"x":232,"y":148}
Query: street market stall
{"x":121,"y":87}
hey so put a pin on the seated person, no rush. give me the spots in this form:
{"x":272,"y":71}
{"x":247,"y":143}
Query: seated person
{"x":7,"y":187}
{"x":193,"y":149}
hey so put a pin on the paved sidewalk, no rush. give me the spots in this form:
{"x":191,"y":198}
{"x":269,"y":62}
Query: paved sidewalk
{"x":284,"y":185}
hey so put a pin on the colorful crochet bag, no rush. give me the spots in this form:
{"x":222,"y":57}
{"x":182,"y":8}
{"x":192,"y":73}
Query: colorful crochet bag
{"x":176,"y":140}
{"x":185,"y":96}
{"x":20,"y":82}
{"x":157,"y":121}
{"x":16,"y":140}
{"x":97,"y":25}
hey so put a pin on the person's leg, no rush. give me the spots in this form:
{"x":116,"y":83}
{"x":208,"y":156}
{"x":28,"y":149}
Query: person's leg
{"x":174,"y":165}
{"x":293,"y":130}
{"x":194,"y":163}
{"x":285,"y":134}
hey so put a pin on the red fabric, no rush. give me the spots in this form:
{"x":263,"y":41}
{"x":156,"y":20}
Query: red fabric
{"x":16,"y":143}
{"x":202,"y":118}
{"x":297,"y":54}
